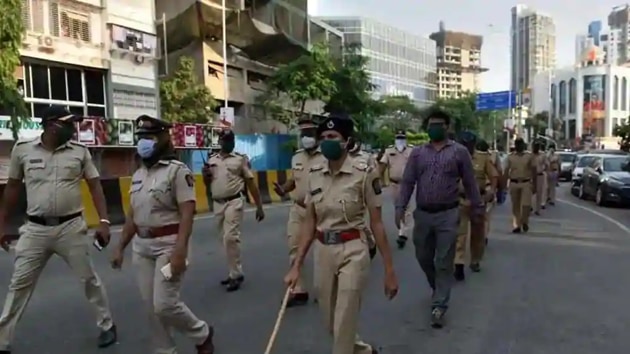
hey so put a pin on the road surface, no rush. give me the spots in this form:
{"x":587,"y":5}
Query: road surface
{"x":563,"y":288}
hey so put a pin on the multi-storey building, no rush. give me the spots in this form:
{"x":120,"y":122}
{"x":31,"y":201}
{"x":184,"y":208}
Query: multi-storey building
{"x":260,"y":35}
{"x":533,"y":48}
{"x":458,"y":62}
{"x":400,"y":63}
{"x":619,"y":23}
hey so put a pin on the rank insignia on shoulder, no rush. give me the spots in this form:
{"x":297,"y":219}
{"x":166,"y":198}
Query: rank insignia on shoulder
{"x":316,"y":167}
{"x":361,"y":166}
{"x":316,"y":191}
{"x":190,"y":180}
{"x":376,"y":186}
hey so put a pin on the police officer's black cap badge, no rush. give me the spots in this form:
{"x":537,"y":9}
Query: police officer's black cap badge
{"x":59,"y":113}
{"x":149,"y":125}
{"x":401,"y":134}
{"x":339,"y":123}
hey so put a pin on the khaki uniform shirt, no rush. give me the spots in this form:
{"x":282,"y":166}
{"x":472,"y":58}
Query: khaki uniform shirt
{"x":300,"y":165}
{"x":155,"y":195}
{"x":341,"y":200}
{"x":484,"y":170}
{"x":364,"y":157}
{"x":553,"y":163}
{"x":228,"y":174}
{"x":395,"y":161}
{"x":540,"y":162}
{"x":52,"y":178}
{"x":520,"y":165}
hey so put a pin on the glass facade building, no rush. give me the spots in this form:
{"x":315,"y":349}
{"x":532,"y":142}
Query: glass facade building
{"x":400,"y":63}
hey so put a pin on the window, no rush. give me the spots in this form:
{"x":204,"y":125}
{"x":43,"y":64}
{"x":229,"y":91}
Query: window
{"x":38,"y":109}
{"x":94,"y":84}
{"x":134,"y":41}
{"x":58,"y":84}
{"x":69,"y":24}
{"x":39,"y":75}
{"x":75,"y":87}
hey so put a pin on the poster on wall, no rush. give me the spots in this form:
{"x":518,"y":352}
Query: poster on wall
{"x":125,"y":132}
{"x":214,"y":138}
{"x":190,"y":136}
{"x":87,"y":132}
{"x":4,"y":169}
{"x":594,"y":103}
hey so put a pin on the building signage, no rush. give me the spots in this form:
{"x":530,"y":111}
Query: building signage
{"x":29,"y":130}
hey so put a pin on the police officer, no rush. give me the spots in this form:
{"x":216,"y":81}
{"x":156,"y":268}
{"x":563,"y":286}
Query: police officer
{"x":540,"y":163}
{"x":486,"y":175}
{"x":339,"y":191}
{"x":162,"y":200}
{"x":354,"y":150}
{"x":553,"y":167}
{"x":298,"y":184}
{"x":521,"y":170}
{"x":51,"y":167}
{"x":499,"y":188}
{"x":393,"y":162}
{"x":229,"y":175}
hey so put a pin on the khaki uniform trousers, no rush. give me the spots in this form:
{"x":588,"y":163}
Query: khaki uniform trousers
{"x":341,"y":274}
{"x":166,"y":312}
{"x":297,"y":214}
{"x":464,"y":237}
{"x":520,"y":197}
{"x":488,"y":217}
{"x":36,"y":245}
{"x":552,"y":180}
{"x":539,"y":197}
{"x":229,"y":217}
{"x":406,"y":225}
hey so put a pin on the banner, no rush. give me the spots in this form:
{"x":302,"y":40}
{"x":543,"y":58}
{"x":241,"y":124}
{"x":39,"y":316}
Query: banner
{"x":29,"y":130}
{"x":87,"y":132}
{"x":190,"y":136}
{"x":594,"y":105}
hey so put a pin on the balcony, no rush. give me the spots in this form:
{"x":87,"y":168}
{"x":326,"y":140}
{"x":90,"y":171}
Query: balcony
{"x":268,"y":31}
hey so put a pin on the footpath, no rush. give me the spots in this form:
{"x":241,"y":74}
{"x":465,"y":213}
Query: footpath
{"x":562,"y":288}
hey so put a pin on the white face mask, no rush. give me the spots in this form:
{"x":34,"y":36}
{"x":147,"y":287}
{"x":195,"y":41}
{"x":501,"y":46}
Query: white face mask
{"x":308,"y":142}
{"x":401,"y":144}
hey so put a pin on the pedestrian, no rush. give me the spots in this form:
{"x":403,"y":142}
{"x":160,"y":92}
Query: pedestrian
{"x":539,"y":179}
{"x":51,"y":168}
{"x":393,"y":163}
{"x":552,"y":176}
{"x":354,"y":150}
{"x":229,"y":175}
{"x":435,"y":169}
{"x":298,"y":186}
{"x":339,"y":191}
{"x":486,"y":176}
{"x":162,"y":207}
{"x":521,"y":172}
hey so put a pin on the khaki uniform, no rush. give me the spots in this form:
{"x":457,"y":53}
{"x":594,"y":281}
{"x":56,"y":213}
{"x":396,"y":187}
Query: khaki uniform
{"x":395,"y":162}
{"x":540,"y":162}
{"x":155,"y":195}
{"x":300,"y":165}
{"x":485,"y":171}
{"x":341,"y":268}
{"x":367,"y":159}
{"x":52,"y":180}
{"x":519,"y":170}
{"x":228,"y":184}
{"x":494,"y":159}
{"x":553,"y":168}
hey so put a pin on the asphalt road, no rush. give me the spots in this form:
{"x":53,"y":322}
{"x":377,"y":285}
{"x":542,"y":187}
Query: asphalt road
{"x":560,"y":289}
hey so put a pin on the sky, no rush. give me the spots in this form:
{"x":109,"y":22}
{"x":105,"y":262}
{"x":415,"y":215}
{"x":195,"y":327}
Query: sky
{"x":489,"y":18}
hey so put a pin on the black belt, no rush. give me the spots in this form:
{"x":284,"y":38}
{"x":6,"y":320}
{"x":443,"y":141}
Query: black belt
{"x":52,"y":220}
{"x":227,"y":199}
{"x":516,"y":180}
{"x":437,"y":208}
{"x":394,"y":181}
{"x":541,"y":174}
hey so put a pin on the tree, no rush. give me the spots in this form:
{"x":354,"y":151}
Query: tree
{"x":465,"y":116}
{"x":308,"y":78}
{"x":11,"y":33}
{"x":623,"y":132}
{"x":401,"y":113}
{"x":537,"y":124}
{"x":183,"y":98}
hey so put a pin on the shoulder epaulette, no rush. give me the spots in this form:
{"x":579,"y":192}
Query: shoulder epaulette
{"x":77,"y":143}
{"x":316,"y":167}
{"x":298,"y":151}
{"x":24,"y":141}
{"x":360,"y":165}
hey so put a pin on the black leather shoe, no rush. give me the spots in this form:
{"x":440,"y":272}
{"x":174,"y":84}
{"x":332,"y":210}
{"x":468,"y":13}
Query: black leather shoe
{"x":459,"y":272}
{"x":298,"y":299}
{"x":107,"y":338}
{"x":516,"y":230}
{"x":227,"y":280}
{"x":401,"y":241}
{"x":207,"y":347}
{"x":233,"y":285}
{"x":5,"y":352}
{"x":525,"y":227}
{"x":475,"y":267}
{"x":372,"y":252}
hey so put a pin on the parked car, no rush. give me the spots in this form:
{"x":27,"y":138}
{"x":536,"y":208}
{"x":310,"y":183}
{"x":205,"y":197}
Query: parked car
{"x":603,"y":152}
{"x":567,"y":160}
{"x":581,"y":162}
{"x":606,"y":180}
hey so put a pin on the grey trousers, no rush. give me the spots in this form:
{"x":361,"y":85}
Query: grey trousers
{"x":434,"y":237}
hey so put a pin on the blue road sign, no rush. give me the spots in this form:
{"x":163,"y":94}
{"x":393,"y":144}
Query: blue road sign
{"x":495,"y":101}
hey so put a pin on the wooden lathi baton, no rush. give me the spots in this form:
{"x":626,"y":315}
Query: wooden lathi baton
{"x":276,"y":328}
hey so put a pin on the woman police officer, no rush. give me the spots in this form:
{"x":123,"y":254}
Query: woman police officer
{"x":339,"y":192}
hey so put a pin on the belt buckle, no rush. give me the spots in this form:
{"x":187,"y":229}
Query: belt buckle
{"x":52,"y":221}
{"x":144,"y":232}
{"x":332,"y":237}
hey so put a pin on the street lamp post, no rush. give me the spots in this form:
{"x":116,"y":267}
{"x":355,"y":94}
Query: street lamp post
{"x":226,"y":84}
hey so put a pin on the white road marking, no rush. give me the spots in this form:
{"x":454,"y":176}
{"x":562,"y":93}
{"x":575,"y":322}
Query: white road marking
{"x":623,"y":227}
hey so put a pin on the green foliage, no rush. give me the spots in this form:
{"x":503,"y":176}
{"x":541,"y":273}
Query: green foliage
{"x":401,"y":113}
{"x":537,"y":124}
{"x":305,"y":79}
{"x":184,"y":99}
{"x":11,"y":32}
{"x":623,"y":132}
{"x":385,"y":137}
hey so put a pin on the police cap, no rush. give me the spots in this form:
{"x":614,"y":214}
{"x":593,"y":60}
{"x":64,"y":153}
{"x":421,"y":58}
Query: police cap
{"x":226,"y":135}
{"x":401,"y":134}
{"x":148,"y":125}
{"x":306,"y":123}
{"x":340,"y":123}
{"x":59,"y":113}
{"x":467,"y":137}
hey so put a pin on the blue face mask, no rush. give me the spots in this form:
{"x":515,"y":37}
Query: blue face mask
{"x":145,"y":148}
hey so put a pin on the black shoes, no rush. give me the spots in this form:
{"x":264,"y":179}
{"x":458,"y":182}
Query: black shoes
{"x":298,"y":299}
{"x":525,"y":227}
{"x":233,"y":284}
{"x":475,"y":267}
{"x":459,"y":272}
{"x":401,"y":241}
{"x":106,"y":338}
